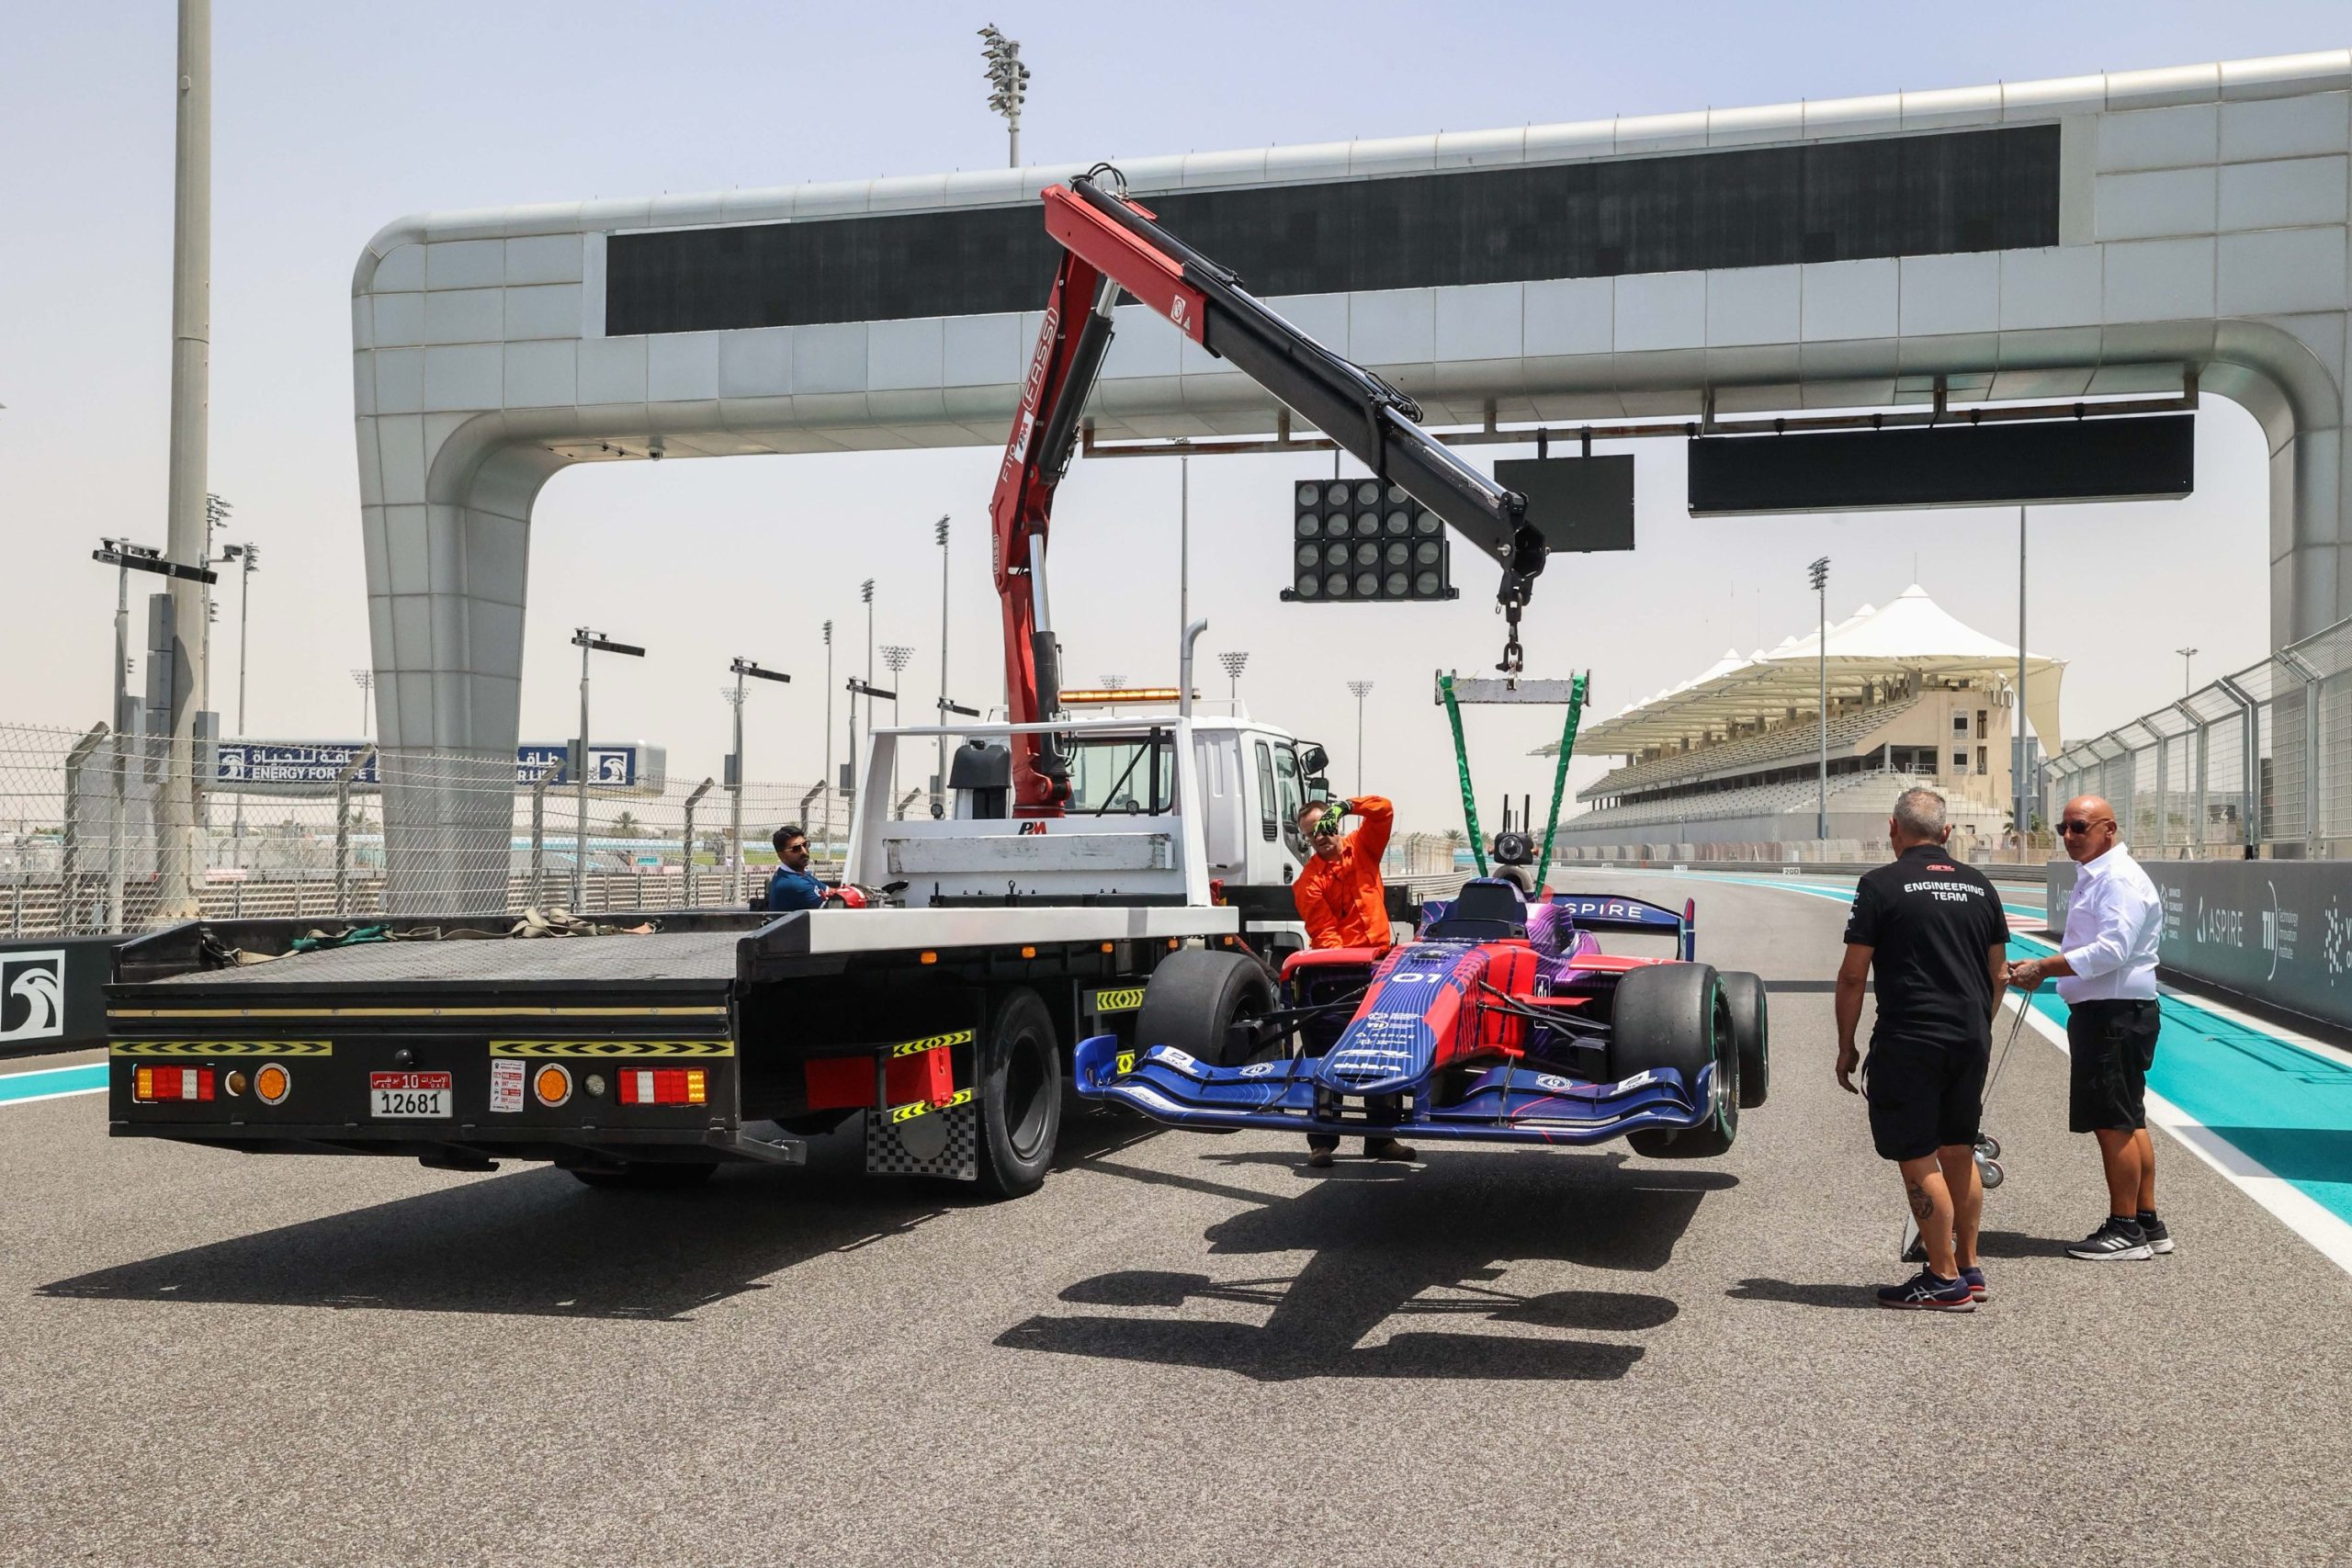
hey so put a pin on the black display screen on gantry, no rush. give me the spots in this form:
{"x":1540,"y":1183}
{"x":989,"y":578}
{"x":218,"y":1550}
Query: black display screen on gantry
{"x":1898,"y":195}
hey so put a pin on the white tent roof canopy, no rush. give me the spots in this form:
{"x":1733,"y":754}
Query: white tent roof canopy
{"x":1913,"y":636}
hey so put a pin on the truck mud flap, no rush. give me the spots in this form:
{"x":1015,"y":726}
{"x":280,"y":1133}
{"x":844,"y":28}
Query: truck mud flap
{"x":921,"y":1139}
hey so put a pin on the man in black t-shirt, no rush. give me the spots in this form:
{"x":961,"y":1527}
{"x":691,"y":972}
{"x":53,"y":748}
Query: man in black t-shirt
{"x":1930,"y":930}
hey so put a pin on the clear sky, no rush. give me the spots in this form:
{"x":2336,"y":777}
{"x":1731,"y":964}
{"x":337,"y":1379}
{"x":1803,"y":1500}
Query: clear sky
{"x":330,"y":120}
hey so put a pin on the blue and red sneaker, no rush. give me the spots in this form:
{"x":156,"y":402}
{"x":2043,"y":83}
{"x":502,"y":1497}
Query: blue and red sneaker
{"x":1974,"y":1279}
{"x":1928,"y":1291}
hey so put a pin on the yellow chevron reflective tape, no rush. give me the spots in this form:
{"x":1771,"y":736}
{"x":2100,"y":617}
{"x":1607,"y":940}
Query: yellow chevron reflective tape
{"x":924,"y":1108}
{"x":932,"y":1042}
{"x":632,"y":1049}
{"x":1125,"y":1062}
{"x":1116,"y":998}
{"x":222,"y":1048}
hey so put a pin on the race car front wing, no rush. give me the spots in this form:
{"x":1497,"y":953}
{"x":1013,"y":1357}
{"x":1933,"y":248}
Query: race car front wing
{"x":1511,"y":1102}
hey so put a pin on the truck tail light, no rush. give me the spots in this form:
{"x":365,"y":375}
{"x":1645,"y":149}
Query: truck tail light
{"x":663,"y":1086}
{"x":154,"y":1084}
{"x":272,"y":1084}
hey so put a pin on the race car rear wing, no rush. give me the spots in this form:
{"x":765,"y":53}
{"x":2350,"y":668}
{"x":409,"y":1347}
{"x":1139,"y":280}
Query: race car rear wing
{"x":1615,"y":912}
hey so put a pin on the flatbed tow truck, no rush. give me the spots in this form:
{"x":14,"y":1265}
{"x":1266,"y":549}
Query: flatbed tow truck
{"x":1081,"y":852}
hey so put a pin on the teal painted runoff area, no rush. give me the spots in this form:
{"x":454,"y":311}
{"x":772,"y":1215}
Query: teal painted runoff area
{"x":41,"y":1082}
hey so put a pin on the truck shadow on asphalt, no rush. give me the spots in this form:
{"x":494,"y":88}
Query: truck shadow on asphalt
{"x":536,"y":1243}
{"x":1395,"y":1244}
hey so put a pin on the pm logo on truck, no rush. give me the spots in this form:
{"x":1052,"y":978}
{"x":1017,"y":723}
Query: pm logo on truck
{"x":32,"y":995}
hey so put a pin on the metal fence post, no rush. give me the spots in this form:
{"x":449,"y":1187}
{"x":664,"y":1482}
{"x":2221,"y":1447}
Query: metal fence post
{"x":539,"y":833}
{"x":343,"y":829}
{"x":2311,"y":753}
{"x":70,"y":848}
{"x":692,"y":801}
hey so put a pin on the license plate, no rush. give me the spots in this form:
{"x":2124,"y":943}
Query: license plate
{"x":396,"y":1095}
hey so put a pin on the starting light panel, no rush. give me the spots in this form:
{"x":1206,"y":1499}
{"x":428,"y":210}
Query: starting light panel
{"x":1361,"y":540}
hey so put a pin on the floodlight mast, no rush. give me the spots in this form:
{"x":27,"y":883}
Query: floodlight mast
{"x":1111,"y":245}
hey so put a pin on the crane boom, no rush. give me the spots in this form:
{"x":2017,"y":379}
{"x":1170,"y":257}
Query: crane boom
{"x":1113,"y":245}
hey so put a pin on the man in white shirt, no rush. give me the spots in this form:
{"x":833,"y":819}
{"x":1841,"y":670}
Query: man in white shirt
{"x":2108,"y":966}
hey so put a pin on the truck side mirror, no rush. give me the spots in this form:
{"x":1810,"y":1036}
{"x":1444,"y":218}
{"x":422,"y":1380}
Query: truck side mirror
{"x":1313,"y":759}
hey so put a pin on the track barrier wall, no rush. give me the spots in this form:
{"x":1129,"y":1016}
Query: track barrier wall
{"x":2277,"y":934}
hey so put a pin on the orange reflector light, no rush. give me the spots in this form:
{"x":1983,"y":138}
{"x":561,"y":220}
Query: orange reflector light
{"x":663,"y":1086}
{"x":551,"y":1084}
{"x":930,"y":958}
{"x":1028,"y":952}
{"x":151,"y":1085}
{"x":1171,"y":945}
{"x":1106,"y":947}
{"x":273,"y":1084}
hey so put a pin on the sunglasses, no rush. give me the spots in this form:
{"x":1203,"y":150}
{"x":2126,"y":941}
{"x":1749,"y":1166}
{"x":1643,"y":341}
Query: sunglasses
{"x":2074,"y":825}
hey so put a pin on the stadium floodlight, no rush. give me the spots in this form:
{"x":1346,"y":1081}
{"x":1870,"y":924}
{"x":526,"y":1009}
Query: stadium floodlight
{"x":2187,"y":681}
{"x":1364,"y":540}
{"x":1234,"y":664}
{"x":1008,"y":83}
{"x":896,"y":656}
{"x":1820,"y":571}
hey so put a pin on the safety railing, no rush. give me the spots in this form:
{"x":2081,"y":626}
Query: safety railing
{"x":2257,"y":763}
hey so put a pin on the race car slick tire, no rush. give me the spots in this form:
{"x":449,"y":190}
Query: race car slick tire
{"x":1194,"y":999}
{"x":649,"y":1176}
{"x":1021,"y":1095}
{"x":1677,"y":1015}
{"x":1751,"y":1028}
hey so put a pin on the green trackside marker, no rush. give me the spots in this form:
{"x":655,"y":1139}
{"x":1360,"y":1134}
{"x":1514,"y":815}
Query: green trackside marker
{"x":1462,"y":762}
{"x":1560,"y":778}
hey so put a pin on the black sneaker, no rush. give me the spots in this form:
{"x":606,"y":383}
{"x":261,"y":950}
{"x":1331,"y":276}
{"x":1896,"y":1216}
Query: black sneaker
{"x":2159,"y":1238}
{"x":1928,"y":1291}
{"x":2116,"y":1241}
{"x":1975,"y":1280}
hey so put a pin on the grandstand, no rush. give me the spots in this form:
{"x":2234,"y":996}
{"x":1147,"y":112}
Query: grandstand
{"x":1726,"y":763}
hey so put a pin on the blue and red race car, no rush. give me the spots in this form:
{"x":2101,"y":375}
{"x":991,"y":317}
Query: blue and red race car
{"x":1503,"y":1021}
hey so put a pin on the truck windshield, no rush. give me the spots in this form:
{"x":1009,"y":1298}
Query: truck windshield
{"x":1119,"y":773}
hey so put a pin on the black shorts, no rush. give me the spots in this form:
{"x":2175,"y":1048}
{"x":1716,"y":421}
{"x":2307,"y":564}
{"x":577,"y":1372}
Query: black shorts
{"x":1923,"y":1097}
{"x":2113,"y":1045}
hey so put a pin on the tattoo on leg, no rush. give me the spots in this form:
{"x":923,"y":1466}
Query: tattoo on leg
{"x":1921,"y":1204}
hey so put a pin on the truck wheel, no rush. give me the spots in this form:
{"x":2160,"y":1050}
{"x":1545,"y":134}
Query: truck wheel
{"x":1021,"y":1095}
{"x":1676,"y":1015}
{"x":1196,"y":996}
{"x":1751,"y":1030}
{"x":650,"y":1175}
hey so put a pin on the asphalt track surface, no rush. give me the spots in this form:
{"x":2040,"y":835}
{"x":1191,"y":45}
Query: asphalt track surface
{"x":1185,"y":1350}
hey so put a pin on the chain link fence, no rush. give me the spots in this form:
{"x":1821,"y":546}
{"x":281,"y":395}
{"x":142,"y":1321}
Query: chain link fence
{"x":79,"y":849}
{"x":2256,"y":765}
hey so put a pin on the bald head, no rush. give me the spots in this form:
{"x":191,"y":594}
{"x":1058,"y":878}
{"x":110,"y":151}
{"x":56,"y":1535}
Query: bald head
{"x":2086,"y":828}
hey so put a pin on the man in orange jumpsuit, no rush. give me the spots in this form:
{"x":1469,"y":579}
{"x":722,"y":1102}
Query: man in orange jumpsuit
{"x":1338,"y":896}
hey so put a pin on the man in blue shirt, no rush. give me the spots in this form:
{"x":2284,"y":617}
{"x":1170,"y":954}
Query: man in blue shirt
{"x":792,"y":887}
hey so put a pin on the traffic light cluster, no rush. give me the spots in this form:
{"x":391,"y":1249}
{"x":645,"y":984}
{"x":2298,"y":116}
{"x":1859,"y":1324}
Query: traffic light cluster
{"x":1362,"y":540}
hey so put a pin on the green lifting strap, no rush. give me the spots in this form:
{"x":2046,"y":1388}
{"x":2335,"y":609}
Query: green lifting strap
{"x":1462,"y":761}
{"x":1559,"y":779}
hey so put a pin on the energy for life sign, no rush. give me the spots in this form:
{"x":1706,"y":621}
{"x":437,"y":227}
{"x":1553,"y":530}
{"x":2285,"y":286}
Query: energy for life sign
{"x":311,"y":767}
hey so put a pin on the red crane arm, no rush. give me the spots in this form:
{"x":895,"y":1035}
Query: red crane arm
{"x":1113,"y":245}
